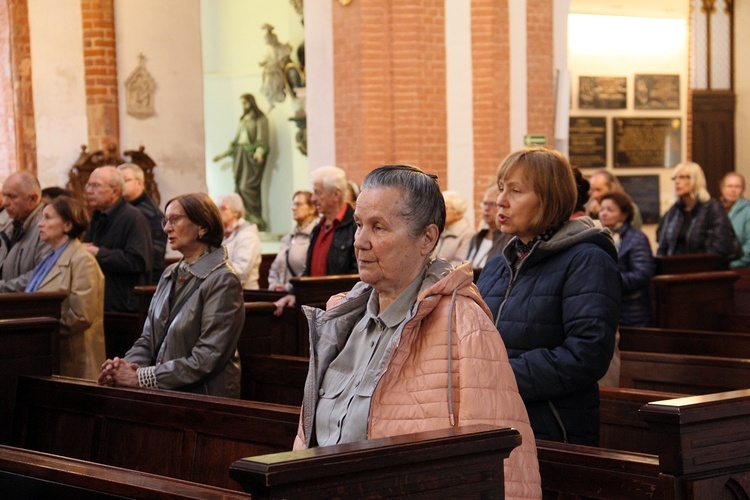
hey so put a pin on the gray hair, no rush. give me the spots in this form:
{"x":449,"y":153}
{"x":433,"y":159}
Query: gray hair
{"x":456,"y":201}
{"x":234,"y":202}
{"x":423,"y":202}
{"x":330,"y":177}
{"x":137,"y":171}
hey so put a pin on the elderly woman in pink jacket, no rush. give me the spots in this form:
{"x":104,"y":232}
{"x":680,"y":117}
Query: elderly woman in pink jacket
{"x":379,"y":355}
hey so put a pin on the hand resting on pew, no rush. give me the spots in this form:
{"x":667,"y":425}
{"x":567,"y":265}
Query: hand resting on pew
{"x":118,"y":372}
{"x":285,"y":301}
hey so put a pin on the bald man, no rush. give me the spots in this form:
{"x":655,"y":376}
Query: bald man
{"x":20,"y":247}
{"x":119,"y":238}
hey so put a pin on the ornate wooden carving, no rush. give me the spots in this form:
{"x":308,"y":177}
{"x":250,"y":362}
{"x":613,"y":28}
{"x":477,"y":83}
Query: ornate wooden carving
{"x":79,"y":173}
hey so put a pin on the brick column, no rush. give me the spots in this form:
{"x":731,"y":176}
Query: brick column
{"x":491,"y":61}
{"x":389,"y":74}
{"x":100,"y":68}
{"x":540,"y":64}
{"x":17,"y":129}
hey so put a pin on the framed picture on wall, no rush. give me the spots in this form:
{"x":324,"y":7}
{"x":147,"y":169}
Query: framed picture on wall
{"x":646,"y":142}
{"x":602,"y":92}
{"x":644,"y":189}
{"x":656,"y":92}
{"x":587,"y":141}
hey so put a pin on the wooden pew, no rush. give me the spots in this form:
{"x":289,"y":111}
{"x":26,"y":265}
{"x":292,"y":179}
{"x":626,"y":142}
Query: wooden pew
{"x":688,"y":263}
{"x":274,"y":378}
{"x":26,"y":305}
{"x":701,"y":443}
{"x":192,"y":437}
{"x":742,"y":291}
{"x":28,"y":346}
{"x":696,"y":301}
{"x":682,"y":341}
{"x":315,"y":291}
{"x":173,"y":434}
{"x":31,"y":474}
{"x":463,"y":462}
{"x":682,"y":373}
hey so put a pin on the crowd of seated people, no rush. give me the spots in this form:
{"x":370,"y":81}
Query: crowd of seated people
{"x":541,"y":319}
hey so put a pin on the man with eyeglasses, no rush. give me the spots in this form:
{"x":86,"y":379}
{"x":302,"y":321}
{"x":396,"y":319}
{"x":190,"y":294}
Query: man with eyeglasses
{"x":489,"y":241}
{"x":20,"y":247}
{"x":119,"y":238}
{"x":134,"y":191}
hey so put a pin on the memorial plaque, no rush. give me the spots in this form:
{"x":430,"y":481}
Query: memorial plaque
{"x":602,"y":92}
{"x":646,"y":142}
{"x":657,"y":92}
{"x":587,"y":141}
{"x":644,"y":189}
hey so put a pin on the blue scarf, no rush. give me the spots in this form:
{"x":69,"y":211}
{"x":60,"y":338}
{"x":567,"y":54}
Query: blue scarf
{"x":41,"y":270}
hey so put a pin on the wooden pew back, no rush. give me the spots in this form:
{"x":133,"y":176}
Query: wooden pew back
{"x":681,"y":341}
{"x":696,"y":301}
{"x":685,"y":264}
{"x":179,"y":435}
{"x":315,"y":291}
{"x":28,"y":346}
{"x":31,"y":474}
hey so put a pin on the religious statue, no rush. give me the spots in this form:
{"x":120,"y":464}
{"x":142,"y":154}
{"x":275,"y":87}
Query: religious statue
{"x":249,"y":151}
{"x":278,"y":56}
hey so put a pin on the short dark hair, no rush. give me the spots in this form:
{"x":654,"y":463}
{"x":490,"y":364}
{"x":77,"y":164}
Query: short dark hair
{"x":53,"y":192}
{"x":424,"y":203}
{"x":201,"y":210}
{"x":623,"y":201}
{"x":583,"y":190}
{"x":71,"y":210}
{"x":307,"y":195}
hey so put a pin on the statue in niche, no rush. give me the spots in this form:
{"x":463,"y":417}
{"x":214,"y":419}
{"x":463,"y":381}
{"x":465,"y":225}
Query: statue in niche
{"x":278,"y":56}
{"x":139,"y":92}
{"x":249,"y":151}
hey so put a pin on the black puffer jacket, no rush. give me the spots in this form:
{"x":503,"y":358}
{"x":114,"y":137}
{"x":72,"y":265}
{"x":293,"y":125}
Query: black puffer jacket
{"x":709,"y":230}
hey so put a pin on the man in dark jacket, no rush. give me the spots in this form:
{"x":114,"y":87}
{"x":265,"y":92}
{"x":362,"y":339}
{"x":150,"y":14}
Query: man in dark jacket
{"x":134,"y":191}
{"x":331,"y":249}
{"x":119,"y":238}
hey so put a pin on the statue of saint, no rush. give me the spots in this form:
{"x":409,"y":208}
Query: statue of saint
{"x":278,"y":56}
{"x":249,"y":151}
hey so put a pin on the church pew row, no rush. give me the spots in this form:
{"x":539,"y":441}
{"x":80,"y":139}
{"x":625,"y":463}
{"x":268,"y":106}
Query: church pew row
{"x":742,"y":292}
{"x":183,"y":436}
{"x":701,"y":453}
{"x":28,"y":346}
{"x":683,"y":341}
{"x":197,"y":438}
{"x":696,"y":301}
{"x":32,"y":474}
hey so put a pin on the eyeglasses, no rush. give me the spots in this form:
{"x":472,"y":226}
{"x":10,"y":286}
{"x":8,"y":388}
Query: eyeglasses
{"x":173,"y":220}
{"x":487,"y":204}
{"x":681,"y":177}
{"x":95,"y":185}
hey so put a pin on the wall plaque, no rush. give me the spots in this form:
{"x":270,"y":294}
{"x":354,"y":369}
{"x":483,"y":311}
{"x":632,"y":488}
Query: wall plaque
{"x":644,"y":189}
{"x":587,"y":141}
{"x":657,"y":92}
{"x":602,"y":92}
{"x":646,"y":142}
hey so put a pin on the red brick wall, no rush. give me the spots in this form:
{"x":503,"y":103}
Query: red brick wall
{"x":17,"y":130}
{"x":491,"y":67}
{"x":100,"y":68}
{"x":540,"y":63}
{"x":389,"y":75}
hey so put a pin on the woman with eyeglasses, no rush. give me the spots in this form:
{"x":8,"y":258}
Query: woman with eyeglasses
{"x":489,"y":241}
{"x":290,"y":261}
{"x":696,"y":223}
{"x":189,"y":340}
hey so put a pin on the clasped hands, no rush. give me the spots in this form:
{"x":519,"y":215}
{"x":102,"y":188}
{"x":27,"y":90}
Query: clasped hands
{"x":118,"y":373}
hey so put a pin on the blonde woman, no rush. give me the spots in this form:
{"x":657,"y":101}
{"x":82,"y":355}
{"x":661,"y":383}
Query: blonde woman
{"x":696,"y":223}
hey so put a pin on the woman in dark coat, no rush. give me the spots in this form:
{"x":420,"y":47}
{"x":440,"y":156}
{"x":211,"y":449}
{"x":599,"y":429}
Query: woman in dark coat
{"x":634,"y":258}
{"x":696,"y":223}
{"x":552,"y":295}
